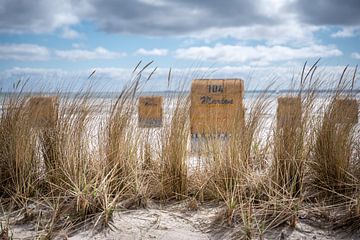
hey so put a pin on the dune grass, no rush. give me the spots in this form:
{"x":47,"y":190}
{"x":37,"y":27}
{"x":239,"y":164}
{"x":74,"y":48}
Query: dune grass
{"x":86,"y":165}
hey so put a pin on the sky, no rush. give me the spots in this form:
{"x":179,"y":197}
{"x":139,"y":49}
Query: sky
{"x":59,"y":43}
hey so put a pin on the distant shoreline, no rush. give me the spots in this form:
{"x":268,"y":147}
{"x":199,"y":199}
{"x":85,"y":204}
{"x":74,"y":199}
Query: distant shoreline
{"x":174,"y":93}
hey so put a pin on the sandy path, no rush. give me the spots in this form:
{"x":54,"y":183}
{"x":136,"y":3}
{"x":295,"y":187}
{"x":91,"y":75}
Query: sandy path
{"x":172,"y":222}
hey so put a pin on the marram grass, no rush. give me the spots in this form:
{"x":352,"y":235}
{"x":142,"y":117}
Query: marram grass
{"x":83,"y":168}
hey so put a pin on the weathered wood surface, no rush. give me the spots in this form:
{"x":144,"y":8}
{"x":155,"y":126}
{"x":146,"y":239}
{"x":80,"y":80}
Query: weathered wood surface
{"x":150,"y":111}
{"x":216,"y":106}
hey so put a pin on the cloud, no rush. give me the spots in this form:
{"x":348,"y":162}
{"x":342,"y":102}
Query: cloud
{"x":290,"y":32}
{"x":260,"y":54}
{"x":277,"y":21}
{"x":24,"y":52}
{"x":35,"y":73}
{"x":355,"y":55}
{"x":43,"y":79}
{"x":327,"y":12}
{"x":145,"y":17}
{"x":346,"y":32}
{"x":174,"y":17}
{"x":270,"y":20}
{"x":152,"y":52}
{"x":18,"y":16}
{"x":79,"y":54}
{"x":69,"y":33}
{"x":189,"y":18}
{"x":205,"y":20}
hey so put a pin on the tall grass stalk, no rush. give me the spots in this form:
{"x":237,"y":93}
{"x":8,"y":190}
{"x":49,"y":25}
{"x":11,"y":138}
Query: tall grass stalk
{"x":19,"y":172}
{"x":174,"y":151}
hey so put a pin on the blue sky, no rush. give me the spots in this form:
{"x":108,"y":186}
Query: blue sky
{"x":59,"y":43}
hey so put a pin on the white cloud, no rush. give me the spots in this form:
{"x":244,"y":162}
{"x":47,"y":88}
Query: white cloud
{"x":289,"y":32}
{"x":152,"y":52}
{"x":77,"y":45}
{"x":69,"y":33}
{"x":79,"y":54}
{"x":346,"y":32}
{"x":19,"y":16}
{"x":355,"y":55}
{"x":259,"y":55}
{"x":155,"y":3}
{"x":114,"y":73}
{"x":35,"y":73}
{"x":24,"y":52}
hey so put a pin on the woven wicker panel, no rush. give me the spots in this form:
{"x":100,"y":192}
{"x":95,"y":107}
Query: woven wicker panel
{"x":150,"y":111}
{"x":43,"y":111}
{"x":288,"y":112}
{"x":216,"y":105}
{"x":345,"y":111}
